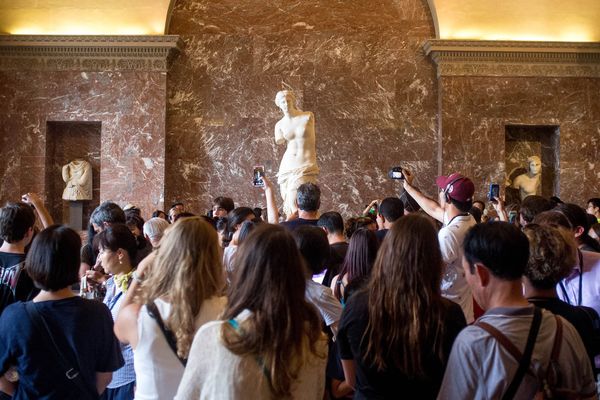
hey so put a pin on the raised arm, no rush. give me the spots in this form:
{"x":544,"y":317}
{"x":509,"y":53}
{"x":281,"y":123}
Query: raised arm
{"x":272,"y":213}
{"x":40,"y":208}
{"x":499,"y":207}
{"x":431,"y":207}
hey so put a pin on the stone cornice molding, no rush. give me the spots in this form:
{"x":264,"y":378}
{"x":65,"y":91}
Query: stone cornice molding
{"x":514,"y":58}
{"x":88,"y":53}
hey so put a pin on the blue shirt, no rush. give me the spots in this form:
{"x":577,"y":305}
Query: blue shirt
{"x":82,"y":329}
{"x":113,"y":299}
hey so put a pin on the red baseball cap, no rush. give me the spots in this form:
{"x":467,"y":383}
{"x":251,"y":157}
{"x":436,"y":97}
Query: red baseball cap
{"x":457,"y":186}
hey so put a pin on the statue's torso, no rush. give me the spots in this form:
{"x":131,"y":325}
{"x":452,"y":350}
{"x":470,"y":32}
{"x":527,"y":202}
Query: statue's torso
{"x":299,"y":132}
{"x":528,"y":185}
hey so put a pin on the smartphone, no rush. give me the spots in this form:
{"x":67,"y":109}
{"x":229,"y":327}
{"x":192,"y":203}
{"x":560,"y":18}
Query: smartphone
{"x":512,"y":216}
{"x":373,"y":209}
{"x":494,"y":192}
{"x":257,"y":176}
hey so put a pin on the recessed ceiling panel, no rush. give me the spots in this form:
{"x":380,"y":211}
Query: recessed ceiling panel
{"x":83,"y":17}
{"x":534,"y":20}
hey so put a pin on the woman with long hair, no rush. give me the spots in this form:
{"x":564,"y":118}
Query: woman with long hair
{"x":269,"y":342}
{"x":395,"y":336}
{"x":179,"y":292}
{"x":57,"y":321}
{"x":356,"y":269}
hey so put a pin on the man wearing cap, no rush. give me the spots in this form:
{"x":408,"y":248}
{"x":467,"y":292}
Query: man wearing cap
{"x":455,"y":200}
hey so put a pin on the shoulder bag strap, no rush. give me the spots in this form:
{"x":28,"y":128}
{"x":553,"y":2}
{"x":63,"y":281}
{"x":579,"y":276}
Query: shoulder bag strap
{"x":70,"y":372}
{"x":525,"y":358}
{"x":259,"y":360}
{"x":169,"y":336}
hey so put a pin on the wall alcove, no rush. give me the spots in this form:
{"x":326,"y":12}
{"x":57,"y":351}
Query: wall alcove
{"x":66,"y":141}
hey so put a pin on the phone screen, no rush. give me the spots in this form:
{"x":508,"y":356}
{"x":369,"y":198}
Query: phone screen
{"x":257,"y":175}
{"x":494,"y":191}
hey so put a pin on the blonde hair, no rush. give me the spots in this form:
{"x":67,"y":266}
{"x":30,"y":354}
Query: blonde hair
{"x":187,"y":270}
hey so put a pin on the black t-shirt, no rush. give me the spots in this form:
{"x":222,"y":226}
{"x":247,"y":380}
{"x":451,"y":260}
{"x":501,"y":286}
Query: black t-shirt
{"x":294,"y":223}
{"x":82,"y":329}
{"x":584,"y":319}
{"x":15,"y":283}
{"x":381,"y":234}
{"x":337,"y":253}
{"x":391,"y":384}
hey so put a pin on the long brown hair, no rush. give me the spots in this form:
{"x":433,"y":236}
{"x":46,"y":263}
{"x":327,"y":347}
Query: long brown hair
{"x":187,"y":270}
{"x":283,"y":328}
{"x":358,"y":263}
{"x":405,"y":304}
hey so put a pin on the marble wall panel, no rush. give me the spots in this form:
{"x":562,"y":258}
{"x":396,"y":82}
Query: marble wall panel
{"x":476,"y":110}
{"x":358,"y":66}
{"x":130,"y":106}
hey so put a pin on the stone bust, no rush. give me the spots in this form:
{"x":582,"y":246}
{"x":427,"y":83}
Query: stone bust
{"x":78,"y":176}
{"x":299,"y":162}
{"x":530,"y":183}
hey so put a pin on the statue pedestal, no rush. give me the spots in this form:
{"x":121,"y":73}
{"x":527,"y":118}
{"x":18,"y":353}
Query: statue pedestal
{"x":76,"y":215}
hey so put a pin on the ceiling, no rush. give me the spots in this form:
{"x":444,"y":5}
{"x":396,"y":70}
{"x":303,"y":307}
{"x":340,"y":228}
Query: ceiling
{"x":83,"y":17}
{"x":537,"y":20}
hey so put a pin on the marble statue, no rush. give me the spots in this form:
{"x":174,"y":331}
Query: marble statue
{"x":530,"y":183}
{"x":299,"y":163}
{"x":78,"y":176}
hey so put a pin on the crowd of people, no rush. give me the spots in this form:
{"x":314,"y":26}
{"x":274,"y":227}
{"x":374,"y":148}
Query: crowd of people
{"x":448,"y":298}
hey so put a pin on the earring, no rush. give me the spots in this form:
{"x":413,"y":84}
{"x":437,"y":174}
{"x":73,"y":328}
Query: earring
{"x":121,"y":262}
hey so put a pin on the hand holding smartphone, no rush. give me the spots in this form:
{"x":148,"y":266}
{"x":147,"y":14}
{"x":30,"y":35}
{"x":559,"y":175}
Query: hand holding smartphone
{"x":494,"y":192}
{"x":257,"y":176}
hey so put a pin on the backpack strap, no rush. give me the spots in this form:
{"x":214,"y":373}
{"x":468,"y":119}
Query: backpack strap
{"x":168,"y":334}
{"x":502,"y":339}
{"x":524,"y":359}
{"x":557,"y":340}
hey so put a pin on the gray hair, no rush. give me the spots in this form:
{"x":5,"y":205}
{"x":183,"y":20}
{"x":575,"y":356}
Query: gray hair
{"x":155,"y":227}
{"x":107,"y":212}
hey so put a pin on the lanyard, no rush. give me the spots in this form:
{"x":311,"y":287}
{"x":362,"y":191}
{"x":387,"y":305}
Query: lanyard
{"x":456,"y":216}
{"x":562,"y":285}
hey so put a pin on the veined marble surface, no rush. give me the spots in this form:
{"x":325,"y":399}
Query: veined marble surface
{"x":131,"y":109}
{"x":476,"y":111}
{"x":358,"y":66}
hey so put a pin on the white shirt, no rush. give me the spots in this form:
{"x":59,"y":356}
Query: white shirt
{"x":454,"y":283}
{"x":157,"y":368}
{"x":322,"y":297}
{"x":215,"y":373}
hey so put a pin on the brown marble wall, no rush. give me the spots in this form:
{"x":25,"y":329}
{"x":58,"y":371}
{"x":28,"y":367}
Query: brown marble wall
{"x":358,"y":66}
{"x":476,"y":111}
{"x":65,"y":142}
{"x":130,"y":106}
